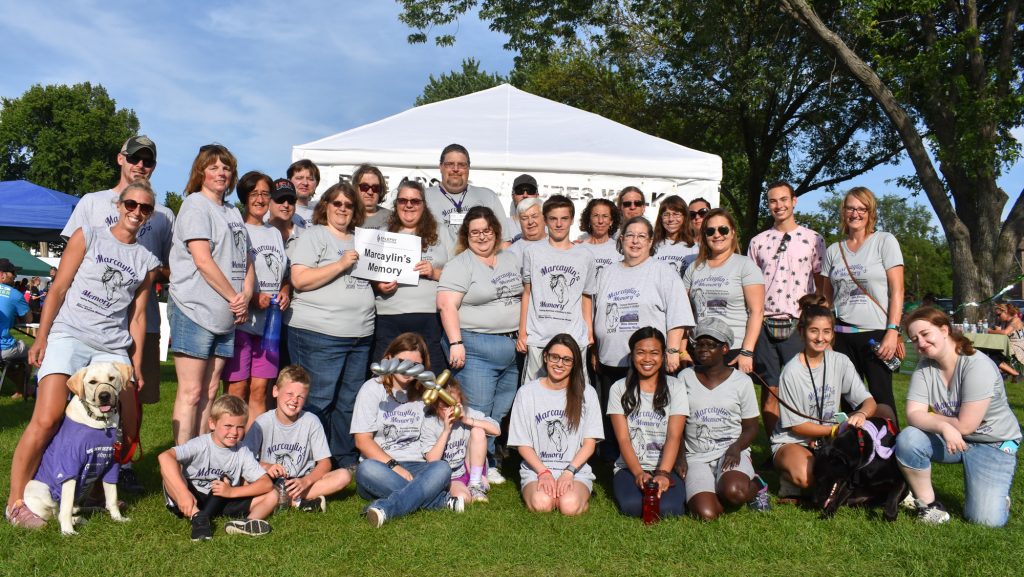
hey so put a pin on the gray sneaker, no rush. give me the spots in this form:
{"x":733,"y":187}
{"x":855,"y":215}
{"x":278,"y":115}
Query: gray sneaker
{"x":934,"y":513}
{"x":477,"y":493}
{"x":318,"y":505}
{"x":456,"y":504}
{"x":761,"y":501}
{"x":250,"y":527}
{"x":376,"y":516}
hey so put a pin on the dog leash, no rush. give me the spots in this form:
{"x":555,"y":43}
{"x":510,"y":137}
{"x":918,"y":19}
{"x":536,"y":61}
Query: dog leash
{"x":789,"y":407}
{"x":125,"y":456}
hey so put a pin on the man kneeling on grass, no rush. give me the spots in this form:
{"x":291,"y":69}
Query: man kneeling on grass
{"x":292,"y":447}
{"x":203,"y":477}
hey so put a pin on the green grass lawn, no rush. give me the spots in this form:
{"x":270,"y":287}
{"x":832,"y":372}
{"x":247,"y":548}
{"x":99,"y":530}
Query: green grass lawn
{"x":502,"y":538}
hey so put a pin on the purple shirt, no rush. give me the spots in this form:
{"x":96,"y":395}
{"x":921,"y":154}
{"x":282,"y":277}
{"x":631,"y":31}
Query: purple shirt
{"x":789,"y":273}
{"x":78,"y":452}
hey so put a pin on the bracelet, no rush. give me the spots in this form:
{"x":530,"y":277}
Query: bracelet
{"x":542,"y":473}
{"x":572,"y":469}
{"x":453,"y":343}
{"x":746,"y":353}
{"x":392,"y":464}
{"x":672,"y":351}
{"x":662,"y":472}
{"x":893,"y":327}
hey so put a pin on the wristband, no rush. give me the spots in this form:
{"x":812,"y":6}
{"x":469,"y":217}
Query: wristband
{"x":453,"y":343}
{"x":663,"y":473}
{"x":892,"y":327}
{"x":392,"y":464}
{"x":746,"y":353}
{"x":572,"y":469}
{"x":544,"y":472}
{"x":835,"y":428}
{"x":673,"y":351}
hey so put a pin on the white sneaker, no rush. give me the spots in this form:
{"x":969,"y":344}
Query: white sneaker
{"x":494,"y":476}
{"x":456,"y":504}
{"x":909,"y":502}
{"x":932,"y":514}
{"x":477,"y":493}
{"x":375,"y":516}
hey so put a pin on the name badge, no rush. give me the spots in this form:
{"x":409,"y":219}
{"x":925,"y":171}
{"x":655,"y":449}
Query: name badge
{"x":456,"y":218}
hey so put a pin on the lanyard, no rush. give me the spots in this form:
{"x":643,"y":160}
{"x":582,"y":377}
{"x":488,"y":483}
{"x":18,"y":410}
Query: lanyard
{"x":820,"y":402}
{"x":457,"y":205}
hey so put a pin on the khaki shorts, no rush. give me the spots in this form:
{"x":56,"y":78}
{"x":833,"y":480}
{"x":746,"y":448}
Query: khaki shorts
{"x":702,"y":477}
{"x":150,"y":394}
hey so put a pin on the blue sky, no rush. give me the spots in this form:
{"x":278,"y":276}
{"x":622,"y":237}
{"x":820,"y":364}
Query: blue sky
{"x":257,"y":76}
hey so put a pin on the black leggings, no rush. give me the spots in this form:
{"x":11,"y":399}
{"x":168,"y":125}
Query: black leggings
{"x":868,"y":365}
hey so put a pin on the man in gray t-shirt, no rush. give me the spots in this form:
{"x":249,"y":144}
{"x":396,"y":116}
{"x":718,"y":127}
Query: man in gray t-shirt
{"x":453,"y":197}
{"x":305,"y":176}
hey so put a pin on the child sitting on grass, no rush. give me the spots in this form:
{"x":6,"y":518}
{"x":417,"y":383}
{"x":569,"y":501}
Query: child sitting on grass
{"x":292,"y":447}
{"x":445,"y":437}
{"x":203,"y":477}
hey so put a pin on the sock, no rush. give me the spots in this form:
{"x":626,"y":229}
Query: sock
{"x":474,"y":475}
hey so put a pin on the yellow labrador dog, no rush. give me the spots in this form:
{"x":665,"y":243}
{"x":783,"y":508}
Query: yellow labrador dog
{"x":82,"y":451}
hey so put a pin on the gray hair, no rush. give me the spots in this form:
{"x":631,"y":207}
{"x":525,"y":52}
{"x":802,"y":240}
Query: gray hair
{"x":528,"y":203}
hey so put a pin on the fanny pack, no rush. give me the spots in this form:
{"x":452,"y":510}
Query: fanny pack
{"x":779,"y":328}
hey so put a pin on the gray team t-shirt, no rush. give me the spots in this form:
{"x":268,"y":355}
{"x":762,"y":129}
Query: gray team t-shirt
{"x":975,"y":378}
{"x":199,"y":218}
{"x":628,"y":298}
{"x":296,"y":446}
{"x":558,"y":280}
{"x":519,"y":247}
{"x":718,"y":292}
{"x":457,"y":447}
{"x":304,"y":214}
{"x":879,"y":253}
{"x":96,"y":307}
{"x":443,"y":205}
{"x":203,"y":462}
{"x":604,"y":255}
{"x":716,"y":415}
{"x":648,"y":429}
{"x":394,"y":422}
{"x":491,"y":296}
{"x":341,"y":308}
{"x":835,"y":378}
{"x":270,"y":265}
{"x":421,"y":298}
{"x":677,"y":255}
{"x":100,"y":209}
{"x":538,"y":421}
{"x":379,"y":219}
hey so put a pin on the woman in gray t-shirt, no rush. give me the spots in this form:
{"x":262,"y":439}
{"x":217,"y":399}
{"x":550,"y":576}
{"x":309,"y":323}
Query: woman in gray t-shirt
{"x":403,"y":308}
{"x":673,"y":239}
{"x":958,"y":413}
{"x":330,"y":324}
{"x":105,"y":274}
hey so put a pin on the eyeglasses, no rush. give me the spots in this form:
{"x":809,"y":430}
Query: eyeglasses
{"x":130,"y":205}
{"x":285,"y":200}
{"x":481,"y":233}
{"x":856,"y":209}
{"x":341,"y":204}
{"x":259,"y":195}
{"x":783,"y":245}
{"x":558,"y":360}
{"x":671,"y":214}
{"x":722,"y":230}
{"x":453,"y":165}
{"x":633,"y":203}
{"x":640,"y":236}
{"x":699,"y":213}
{"x":408,"y":201}
{"x":133,"y":159}
{"x":525,"y":191}
{"x":365,"y":187}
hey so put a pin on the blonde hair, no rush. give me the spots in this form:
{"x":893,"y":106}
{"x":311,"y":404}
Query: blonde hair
{"x":228,"y":405}
{"x":292,"y":374}
{"x":867,"y":198}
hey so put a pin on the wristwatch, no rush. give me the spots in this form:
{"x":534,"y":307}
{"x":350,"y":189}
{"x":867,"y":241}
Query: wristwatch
{"x":392,"y":464}
{"x":572,"y":469}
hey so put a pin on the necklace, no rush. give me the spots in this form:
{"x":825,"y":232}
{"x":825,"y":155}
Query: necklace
{"x":818,"y":401}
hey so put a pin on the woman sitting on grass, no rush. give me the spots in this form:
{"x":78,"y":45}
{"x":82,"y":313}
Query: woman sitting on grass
{"x":556,"y":423}
{"x":958,"y":413}
{"x":812,"y":383}
{"x":648,"y":412}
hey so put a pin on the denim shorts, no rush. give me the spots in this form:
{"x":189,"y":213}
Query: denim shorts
{"x":188,"y":338}
{"x":65,"y":355}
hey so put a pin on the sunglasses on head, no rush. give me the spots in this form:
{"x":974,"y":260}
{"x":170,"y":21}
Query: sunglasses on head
{"x":722,"y":230}
{"x":699,"y":213}
{"x":633,"y":203}
{"x":130,"y":205}
{"x":364,"y":187}
{"x":133,"y":159}
{"x":285,"y":200}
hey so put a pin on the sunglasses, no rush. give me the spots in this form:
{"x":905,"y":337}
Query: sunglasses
{"x":285,"y":200}
{"x":722,"y":230}
{"x":212,"y":146}
{"x":133,"y":160}
{"x":341,"y":204}
{"x":364,"y":187}
{"x":633,"y":203}
{"x":130,"y":205}
{"x":408,"y":201}
{"x":526,"y":191}
{"x":699,"y":213}
{"x":783,"y":245}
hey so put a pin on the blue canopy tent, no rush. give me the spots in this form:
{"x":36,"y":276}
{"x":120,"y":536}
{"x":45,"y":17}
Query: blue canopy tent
{"x":33,"y":213}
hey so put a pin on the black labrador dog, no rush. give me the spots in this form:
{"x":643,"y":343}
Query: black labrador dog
{"x":858,"y":467}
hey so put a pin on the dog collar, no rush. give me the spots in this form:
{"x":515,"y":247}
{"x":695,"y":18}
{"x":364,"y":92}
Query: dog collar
{"x":876,"y":434}
{"x":105,"y":417}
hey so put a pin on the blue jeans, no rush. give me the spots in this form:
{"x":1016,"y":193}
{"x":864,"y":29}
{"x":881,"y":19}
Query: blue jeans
{"x":630,"y":498}
{"x":337,"y":369}
{"x":391,"y":493}
{"x":988,"y":472}
{"x":490,"y":376}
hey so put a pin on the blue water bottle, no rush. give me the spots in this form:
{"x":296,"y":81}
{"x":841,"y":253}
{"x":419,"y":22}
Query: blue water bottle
{"x":272,"y":327}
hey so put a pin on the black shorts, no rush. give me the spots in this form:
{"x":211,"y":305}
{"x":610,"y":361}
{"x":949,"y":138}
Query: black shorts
{"x":212,"y":505}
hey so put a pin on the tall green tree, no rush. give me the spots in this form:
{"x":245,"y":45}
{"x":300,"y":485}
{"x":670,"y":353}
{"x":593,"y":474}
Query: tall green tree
{"x":64,"y":137}
{"x":740,"y":80}
{"x":947,"y":74}
{"x":459,"y":83}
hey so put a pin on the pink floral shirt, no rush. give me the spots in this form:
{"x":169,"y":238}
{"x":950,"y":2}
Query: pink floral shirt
{"x":789,"y":267}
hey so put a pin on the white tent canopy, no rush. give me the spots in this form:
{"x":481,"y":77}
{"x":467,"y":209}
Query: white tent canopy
{"x":509,"y":132}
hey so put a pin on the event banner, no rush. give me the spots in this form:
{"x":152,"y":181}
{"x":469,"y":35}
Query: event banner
{"x":387,"y":256}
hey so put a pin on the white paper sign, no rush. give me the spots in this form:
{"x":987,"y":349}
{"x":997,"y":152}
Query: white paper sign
{"x":387,"y":256}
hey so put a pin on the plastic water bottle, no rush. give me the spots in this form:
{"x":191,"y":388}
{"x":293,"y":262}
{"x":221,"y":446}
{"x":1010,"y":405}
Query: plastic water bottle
{"x":892,"y":364}
{"x":651,"y":510}
{"x":272,"y":327}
